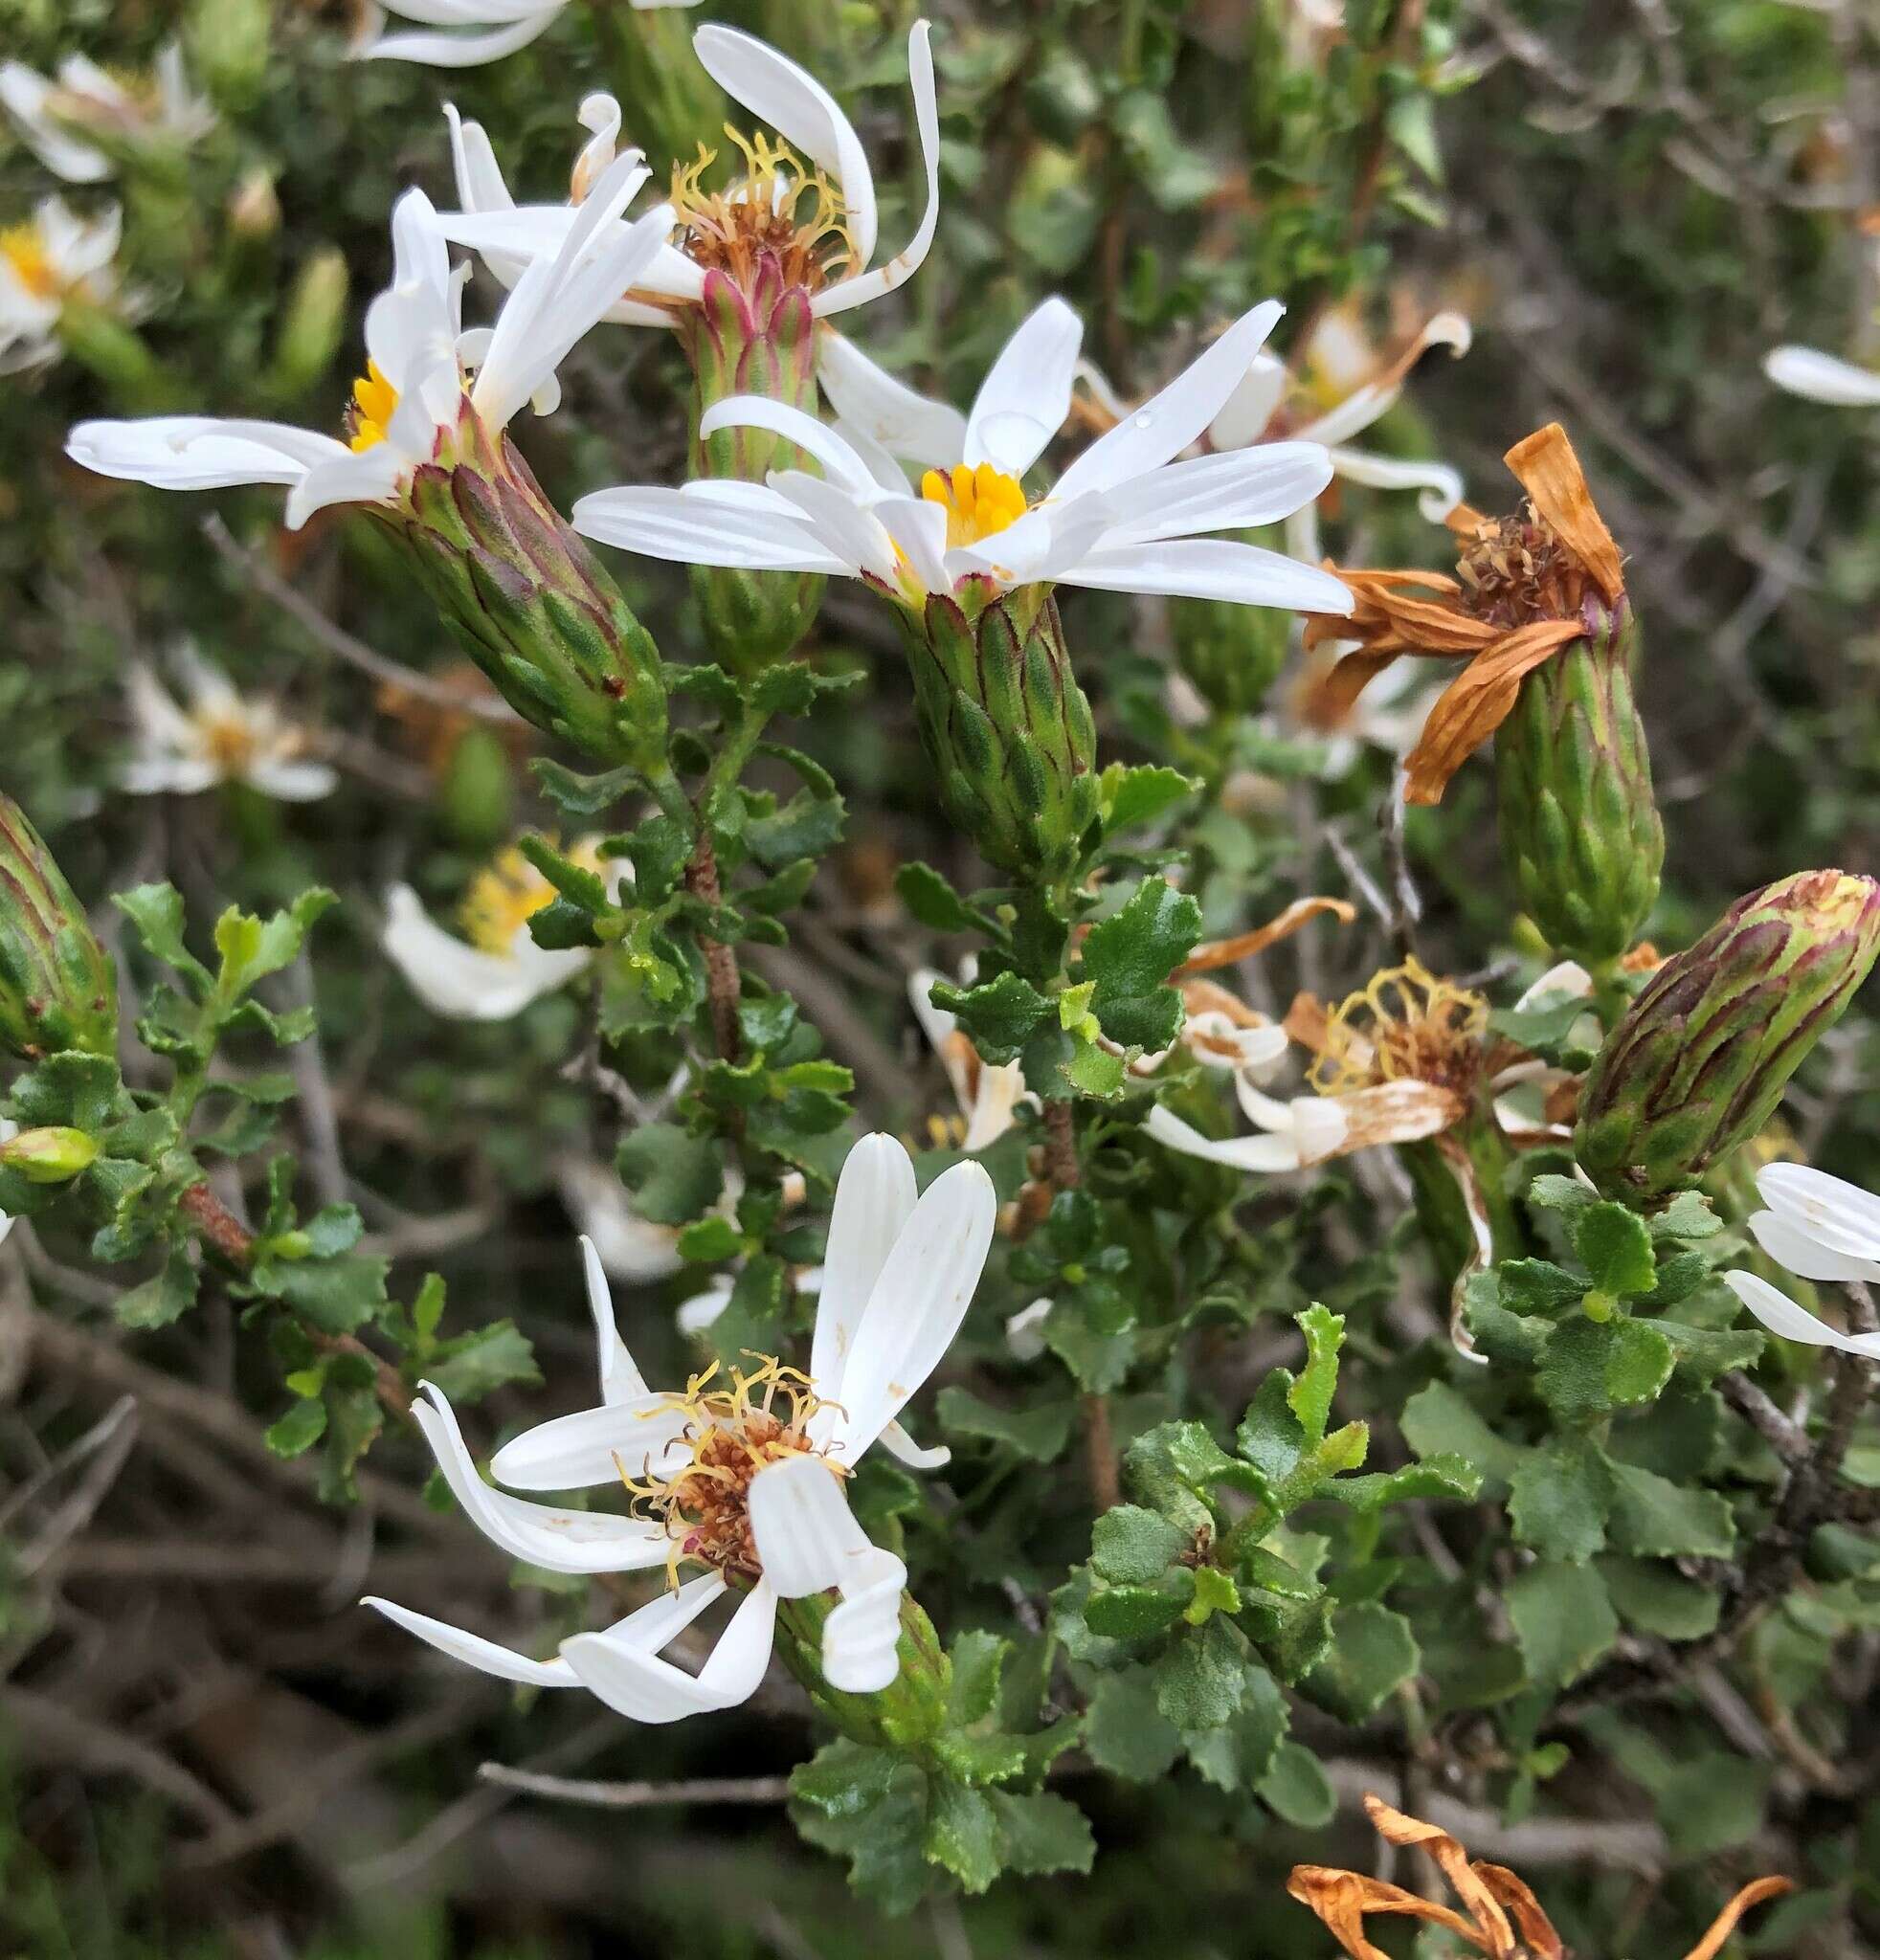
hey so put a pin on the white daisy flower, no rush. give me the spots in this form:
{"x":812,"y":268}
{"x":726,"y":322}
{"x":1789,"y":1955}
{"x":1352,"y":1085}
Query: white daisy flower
{"x":1124,"y":516}
{"x":55,"y":113}
{"x":743,"y":1475}
{"x":53,"y":258}
{"x":219,"y":737}
{"x":467,"y":32}
{"x":418,"y":383}
{"x":496,"y":969}
{"x":814,"y":216}
{"x":1820,"y":1228}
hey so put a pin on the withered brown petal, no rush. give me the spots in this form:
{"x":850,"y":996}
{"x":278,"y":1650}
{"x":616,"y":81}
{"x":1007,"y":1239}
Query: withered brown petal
{"x":1752,"y":1894}
{"x":1476,"y":702}
{"x":1548,"y":470}
{"x":1226,"y":952}
{"x":1536,"y":1929}
{"x":1343,"y":1899}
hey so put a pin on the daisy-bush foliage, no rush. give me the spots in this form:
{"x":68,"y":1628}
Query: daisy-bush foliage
{"x":861,"y":877}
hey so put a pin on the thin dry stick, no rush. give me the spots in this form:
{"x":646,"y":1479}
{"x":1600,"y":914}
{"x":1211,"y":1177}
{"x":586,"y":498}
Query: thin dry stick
{"x":635,"y":1796}
{"x":722,"y":983}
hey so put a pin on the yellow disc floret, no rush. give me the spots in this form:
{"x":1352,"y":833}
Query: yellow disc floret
{"x":1405,"y":1026}
{"x":779,"y":209}
{"x":977,"y":501}
{"x":375,"y":401}
{"x":730,"y":1433}
{"x":25,"y":252}
{"x":508,"y":892}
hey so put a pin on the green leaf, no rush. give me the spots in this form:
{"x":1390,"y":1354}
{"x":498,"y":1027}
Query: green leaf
{"x":844,"y":1779}
{"x":1437,"y":1421}
{"x":1687,"y":1217}
{"x":1130,"y":1546}
{"x":471,"y":1366}
{"x":1125,"y":1732}
{"x":299,"y":1430}
{"x":1559,"y":1500}
{"x":71,"y":1091}
{"x":1537,"y":1286}
{"x":1615,"y":1247}
{"x":162,"y":1299}
{"x":934,"y":902}
{"x":977,"y":1658}
{"x":1703,"y":1353}
{"x":998,"y":1016}
{"x":1309,"y":1397}
{"x":1435,"y":1477}
{"x":155,"y":912}
{"x":1372,"y":1653}
{"x":1567,"y":1195}
{"x":1039,"y":1435}
{"x":1199,"y":1682}
{"x":673,"y":1175}
{"x":1655,"y":1599}
{"x":962,"y":1833}
{"x":1041,"y":1832}
{"x":1135,"y":795}
{"x":353,"y":1419}
{"x":582,"y":796}
{"x":1591,"y":1366}
{"x":1131,"y":955}
{"x":1296,"y":1789}
{"x":1135,"y":1613}
{"x":337,"y":1295}
{"x":1656,"y":1518}
{"x":1563,"y":1620}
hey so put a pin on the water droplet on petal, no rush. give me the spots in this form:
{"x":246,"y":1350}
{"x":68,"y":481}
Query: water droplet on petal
{"x":1144,"y":419}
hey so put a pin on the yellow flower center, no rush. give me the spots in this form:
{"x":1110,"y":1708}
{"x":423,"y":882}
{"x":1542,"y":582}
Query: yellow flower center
{"x":508,"y":892}
{"x":25,"y":254}
{"x":779,"y":207}
{"x":730,"y":1433}
{"x":977,"y":501}
{"x":227,"y":740}
{"x":374,"y":403}
{"x":1405,"y":1026}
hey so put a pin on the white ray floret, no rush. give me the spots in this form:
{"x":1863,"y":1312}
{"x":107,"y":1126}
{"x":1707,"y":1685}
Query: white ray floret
{"x":215,"y":736}
{"x":466,"y":33}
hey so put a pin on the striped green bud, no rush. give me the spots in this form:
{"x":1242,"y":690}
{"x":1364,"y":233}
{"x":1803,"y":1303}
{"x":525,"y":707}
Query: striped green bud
{"x":57,"y":987}
{"x":529,"y":603}
{"x":1580,"y":834}
{"x":1007,"y":728}
{"x":1231,"y":655}
{"x":1698,"y":1063}
{"x":754,"y":337}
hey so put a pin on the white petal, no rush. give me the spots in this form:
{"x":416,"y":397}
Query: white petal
{"x":799,"y":108}
{"x":661,"y":522}
{"x":293,"y":782}
{"x":1242,"y":417}
{"x":630,"y":1247}
{"x":813,"y":438}
{"x":867,"y":398}
{"x":994,"y":1106}
{"x":1236,"y":489}
{"x":199,"y":452}
{"x":23,"y":93}
{"x":1805,"y":1255}
{"x":1441,"y":487}
{"x":917,"y":1304}
{"x":1025,"y":396}
{"x":477,"y":1652}
{"x":699,"y":1314}
{"x":458,"y":51}
{"x":863,"y":286}
{"x":1021,"y":1330}
{"x":169,"y":775}
{"x":875,"y":1197}
{"x":1820,"y":1203}
{"x":564,"y":1541}
{"x":1820,"y":377}
{"x":1167,"y":423}
{"x":1212,"y":568}
{"x":855,"y":534}
{"x":1261,"y":1153}
{"x":1780,"y":1315}
{"x":635,"y":1683}
{"x":620,"y":1379}
{"x":462,"y":981}
{"x":861,"y":1636}
{"x":807,"y":1537}
{"x":370,"y":476}
{"x":903,"y":1449}
{"x":920,"y":528}
{"x":1566,"y":976}
{"x":593,"y":1446}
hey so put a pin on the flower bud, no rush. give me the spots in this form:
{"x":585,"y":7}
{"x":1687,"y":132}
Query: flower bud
{"x":57,"y":988}
{"x":313,"y":323}
{"x":48,"y":1156}
{"x":529,"y":603}
{"x":1699,"y":1060}
{"x":1231,"y":654}
{"x":1580,"y":834}
{"x":1007,"y":728}
{"x":253,"y":210}
{"x":755,"y":336}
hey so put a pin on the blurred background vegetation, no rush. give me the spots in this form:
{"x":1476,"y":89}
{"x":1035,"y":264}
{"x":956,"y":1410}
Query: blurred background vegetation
{"x":205,"y":1749}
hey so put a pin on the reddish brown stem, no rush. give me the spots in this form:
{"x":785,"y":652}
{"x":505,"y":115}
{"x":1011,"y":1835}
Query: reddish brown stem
{"x":723,"y":986}
{"x":218,"y":1227}
{"x":1066,"y":1174}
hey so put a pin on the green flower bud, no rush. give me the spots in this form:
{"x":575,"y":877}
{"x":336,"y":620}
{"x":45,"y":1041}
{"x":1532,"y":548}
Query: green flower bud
{"x":1699,"y":1060}
{"x":530,"y":604}
{"x":229,"y":43}
{"x":910,"y":1710}
{"x":1007,"y":728}
{"x":751,"y":337}
{"x":1580,"y":834}
{"x":57,"y":988}
{"x":1232,"y":654}
{"x":48,"y":1156}
{"x":313,"y":323}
